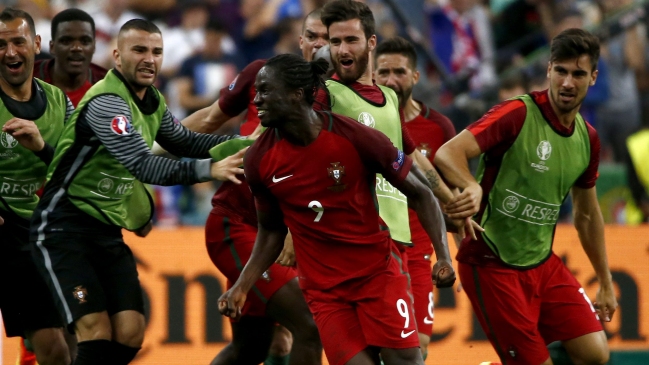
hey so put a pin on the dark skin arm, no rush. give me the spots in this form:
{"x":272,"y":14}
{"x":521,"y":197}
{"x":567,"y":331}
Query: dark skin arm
{"x":422,"y":200}
{"x":268,"y":246}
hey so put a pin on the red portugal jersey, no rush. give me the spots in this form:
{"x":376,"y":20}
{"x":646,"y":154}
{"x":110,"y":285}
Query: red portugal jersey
{"x":429,"y":130}
{"x":43,"y":71}
{"x":326,"y":193}
{"x":495,"y":133}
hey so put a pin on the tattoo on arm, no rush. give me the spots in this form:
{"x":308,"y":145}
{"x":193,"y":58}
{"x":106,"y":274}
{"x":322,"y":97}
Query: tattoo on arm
{"x":433,"y":178}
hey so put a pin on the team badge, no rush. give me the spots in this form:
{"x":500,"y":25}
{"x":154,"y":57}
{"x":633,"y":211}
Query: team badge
{"x":336,"y":172}
{"x":80,"y":293}
{"x":425,"y":150}
{"x":121,"y":126}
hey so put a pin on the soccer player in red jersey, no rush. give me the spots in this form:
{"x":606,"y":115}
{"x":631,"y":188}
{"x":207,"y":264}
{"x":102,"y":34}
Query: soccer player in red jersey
{"x":230,"y":234}
{"x":314,"y":172}
{"x":535,"y":150}
{"x":72,"y":45}
{"x":396,"y":68}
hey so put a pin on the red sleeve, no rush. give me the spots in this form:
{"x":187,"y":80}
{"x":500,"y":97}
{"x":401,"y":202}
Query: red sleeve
{"x":500,"y":126}
{"x":589,"y":177}
{"x":235,"y":98}
{"x":375,"y":149}
{"x":409,"y":144}
{"x":264,"y":199}
{"x":322,"y":100}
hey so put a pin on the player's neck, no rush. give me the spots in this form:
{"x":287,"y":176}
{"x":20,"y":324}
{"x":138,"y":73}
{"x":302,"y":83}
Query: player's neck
{"x":66,"y":81}
{"x":366,"y":77}
{"x":302,"y":127}
{"x":19,"y":93}
{"x":411,"y":110}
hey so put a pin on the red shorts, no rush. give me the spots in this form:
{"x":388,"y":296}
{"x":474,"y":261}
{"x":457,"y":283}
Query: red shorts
{"x":229,"y":243}
{"x":421,"y":283}
{"x":524,"y":310}
{"x":370,"y":311}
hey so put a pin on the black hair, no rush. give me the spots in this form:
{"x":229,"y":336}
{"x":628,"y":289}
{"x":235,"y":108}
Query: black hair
{"x":9,"y":14}
{"x":343,"y":10}
{"x":70,"y":15}
{"x":573,"y":43}
{"x":140,"y":24}
{"x":398,"y":45}
{"x":294,"y":72}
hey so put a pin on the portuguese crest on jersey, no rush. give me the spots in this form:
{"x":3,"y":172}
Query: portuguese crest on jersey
{"x":80,"y":293}
{"x":336,"y":172}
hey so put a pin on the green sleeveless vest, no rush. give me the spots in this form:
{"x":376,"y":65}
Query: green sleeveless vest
{"x":638,"y":146}
{"x":536,"y":175}
{"x":22,"y":173}
{"x":104,"y":188}
{"x":393,"y":204}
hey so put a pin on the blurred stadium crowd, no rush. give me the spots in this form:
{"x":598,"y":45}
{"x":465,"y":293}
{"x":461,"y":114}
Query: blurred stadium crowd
{"x":473,"y":54}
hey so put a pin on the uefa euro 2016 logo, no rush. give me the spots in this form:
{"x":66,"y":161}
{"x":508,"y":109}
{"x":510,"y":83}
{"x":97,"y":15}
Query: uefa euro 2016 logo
{"x":544,"y":150}
{"x":7,"y":140}
{"x":367,"y":119}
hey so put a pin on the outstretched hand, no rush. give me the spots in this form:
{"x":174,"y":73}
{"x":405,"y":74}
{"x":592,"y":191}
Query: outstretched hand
{"x":229,"y":167}
{"x":443,"y":274}
{"x":25,"y":132}
{"x":231,"y":302}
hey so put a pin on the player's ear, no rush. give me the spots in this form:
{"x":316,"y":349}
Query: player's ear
{"x":298,"y":94}
{"x":371,"y":43}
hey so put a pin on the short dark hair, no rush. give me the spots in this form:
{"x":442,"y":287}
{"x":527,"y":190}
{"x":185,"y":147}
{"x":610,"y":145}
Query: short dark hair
{"x":317,"y":13}
{"x":71,"y":15}
{"x":140,"y":24}
{"x":297,"y":73}
{"x":343,"y":10}
{"x":9,"y":14}
{"x":573,"y":43}
{"x":398,"y":45}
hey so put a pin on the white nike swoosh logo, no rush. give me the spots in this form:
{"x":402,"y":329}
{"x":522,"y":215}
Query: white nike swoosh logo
{"x":427,"y":321}
{"x":281,"y":178}
{"x":404,"y":335}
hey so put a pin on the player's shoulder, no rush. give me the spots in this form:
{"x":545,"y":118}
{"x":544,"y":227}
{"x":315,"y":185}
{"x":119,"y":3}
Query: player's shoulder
{"x":97,"y":73}
{"x":263,"y":144}
{"x":507,"y":108}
